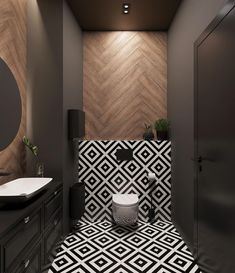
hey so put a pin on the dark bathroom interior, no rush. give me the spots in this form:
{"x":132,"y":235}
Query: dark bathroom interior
{"x":111,"y":156}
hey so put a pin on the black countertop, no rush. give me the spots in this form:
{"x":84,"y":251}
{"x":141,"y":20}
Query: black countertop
{"x":10,"y":215}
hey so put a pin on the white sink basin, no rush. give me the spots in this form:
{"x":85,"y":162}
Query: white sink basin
{"x":22,"y":188}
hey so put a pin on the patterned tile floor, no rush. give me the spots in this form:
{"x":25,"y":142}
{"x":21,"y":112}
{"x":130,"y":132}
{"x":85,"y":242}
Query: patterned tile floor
{"x":105,"y":247}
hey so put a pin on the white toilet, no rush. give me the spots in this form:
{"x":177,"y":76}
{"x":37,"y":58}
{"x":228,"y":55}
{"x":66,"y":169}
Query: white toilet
{"x":125,"y":208}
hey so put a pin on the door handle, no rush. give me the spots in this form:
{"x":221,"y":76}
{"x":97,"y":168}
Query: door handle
{"x":26,"y":220}
{"x":200,"y":159}
{"x":26,"y":263}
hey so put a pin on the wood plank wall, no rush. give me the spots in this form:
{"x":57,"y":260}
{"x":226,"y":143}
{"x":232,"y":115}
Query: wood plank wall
{"x":125,"y":82}
{"x":13,"y":52}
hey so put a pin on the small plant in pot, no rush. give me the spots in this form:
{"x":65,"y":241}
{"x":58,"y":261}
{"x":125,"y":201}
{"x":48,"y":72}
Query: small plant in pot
{"x":162,"y":129}
{"x":148,"y":134}
{"x":34,"y":150}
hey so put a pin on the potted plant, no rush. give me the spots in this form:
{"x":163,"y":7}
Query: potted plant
{"x":148,"y":134}
{"x":162,"y":129}
{"x":34,"y":150}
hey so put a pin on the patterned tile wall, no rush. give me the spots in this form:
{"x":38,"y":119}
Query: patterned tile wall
{"x":103,"y":175}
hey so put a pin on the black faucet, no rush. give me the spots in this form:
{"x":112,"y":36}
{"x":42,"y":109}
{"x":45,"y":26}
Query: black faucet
{"x":3,"y":172}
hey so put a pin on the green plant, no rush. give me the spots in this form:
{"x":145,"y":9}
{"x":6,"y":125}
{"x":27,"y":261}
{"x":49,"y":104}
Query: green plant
{"x":162,"y":125}
{"x":32,"y":148}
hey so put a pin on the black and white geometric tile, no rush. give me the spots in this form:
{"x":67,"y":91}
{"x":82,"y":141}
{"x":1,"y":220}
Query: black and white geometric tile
{"x":103,"y":175}
{"x":107,"y":248}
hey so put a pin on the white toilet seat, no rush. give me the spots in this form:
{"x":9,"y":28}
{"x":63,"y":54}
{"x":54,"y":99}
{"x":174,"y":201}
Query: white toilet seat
{"x":125,"y":208}
{"x":125,"y":200}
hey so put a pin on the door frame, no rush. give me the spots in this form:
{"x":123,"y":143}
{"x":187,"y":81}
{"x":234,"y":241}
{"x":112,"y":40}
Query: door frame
{"x":228,"y":7}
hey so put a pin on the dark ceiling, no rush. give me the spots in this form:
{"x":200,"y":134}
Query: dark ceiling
{"x":108,"y":15}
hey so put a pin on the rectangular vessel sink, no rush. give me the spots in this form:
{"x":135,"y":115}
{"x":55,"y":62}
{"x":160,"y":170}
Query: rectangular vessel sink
{"x":22,"y":189}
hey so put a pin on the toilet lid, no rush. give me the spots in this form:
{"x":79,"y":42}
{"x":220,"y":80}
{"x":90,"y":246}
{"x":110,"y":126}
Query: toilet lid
{"x":125,"y":199}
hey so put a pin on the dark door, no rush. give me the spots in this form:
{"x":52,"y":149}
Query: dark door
{"x":215,"y":145}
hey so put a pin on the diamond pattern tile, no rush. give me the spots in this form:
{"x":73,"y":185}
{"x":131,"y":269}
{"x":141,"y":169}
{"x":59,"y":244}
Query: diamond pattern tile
{"x":108,"y":248}
{"x":103,"y":175}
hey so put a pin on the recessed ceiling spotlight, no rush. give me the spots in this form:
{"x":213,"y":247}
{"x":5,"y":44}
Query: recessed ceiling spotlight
{"x":125,"y":8}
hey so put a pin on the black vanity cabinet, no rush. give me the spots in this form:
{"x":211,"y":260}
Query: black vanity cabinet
{"x":31,"y":262}
{"x":19,"y":239}
{"x":29,"y":232}
{"x":53,"y":223}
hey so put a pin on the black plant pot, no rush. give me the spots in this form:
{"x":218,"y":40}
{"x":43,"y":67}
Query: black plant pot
{"x":149,"y":135}
{"x":162,"y":135}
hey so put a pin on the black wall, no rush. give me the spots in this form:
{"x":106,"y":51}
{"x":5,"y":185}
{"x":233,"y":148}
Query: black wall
{"x":72,"y":89}
{"x":54,"y":85}
{"x":190,"y":21}
{"x":45,"y":84}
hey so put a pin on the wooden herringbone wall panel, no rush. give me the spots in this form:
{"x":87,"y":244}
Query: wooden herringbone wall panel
{"x":125,"y":82}
{"x":13,"y":52}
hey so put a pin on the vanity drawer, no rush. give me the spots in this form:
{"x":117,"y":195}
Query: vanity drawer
{"x":30,"y":263}
{"x":52,"y":236}
{"x":22,"y":237}
{"x":53,"y":203}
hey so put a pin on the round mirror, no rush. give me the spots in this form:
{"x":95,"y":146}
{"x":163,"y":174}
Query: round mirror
{"x":10,"y":106}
